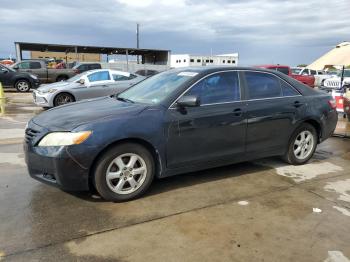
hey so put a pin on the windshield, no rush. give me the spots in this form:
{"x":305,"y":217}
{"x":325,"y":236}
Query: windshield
{"x":346,"y":73}
{"x":76,"y":77}
{"x":157,"y":88}
{"x":8,"y":68}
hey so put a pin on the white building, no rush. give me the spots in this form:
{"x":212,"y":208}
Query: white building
{"x":198,"y":60}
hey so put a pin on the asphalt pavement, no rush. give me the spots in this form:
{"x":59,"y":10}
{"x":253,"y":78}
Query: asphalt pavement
{"x":263,"y":210}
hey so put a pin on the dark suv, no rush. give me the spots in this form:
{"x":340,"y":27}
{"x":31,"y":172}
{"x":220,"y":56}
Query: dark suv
{"x":22,"y":81}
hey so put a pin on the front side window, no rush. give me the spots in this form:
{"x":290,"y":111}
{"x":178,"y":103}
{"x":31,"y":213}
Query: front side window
{"x":217,"y":88}
{"x":24,"y":65}
{"x":99,"y":76}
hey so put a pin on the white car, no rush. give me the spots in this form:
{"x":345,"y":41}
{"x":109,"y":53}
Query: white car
{"x":334,"y":82}
{"x":90,"y":84}
{"x":320,"y":75}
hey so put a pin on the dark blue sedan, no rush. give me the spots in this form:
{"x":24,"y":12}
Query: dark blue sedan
{"x":175,"y":122}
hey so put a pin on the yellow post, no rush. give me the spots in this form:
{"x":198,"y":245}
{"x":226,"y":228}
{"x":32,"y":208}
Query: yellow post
{"x":2,"y":100}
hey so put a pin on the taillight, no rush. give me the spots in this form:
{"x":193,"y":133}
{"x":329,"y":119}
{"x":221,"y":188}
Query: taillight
{"x":332,"y":103}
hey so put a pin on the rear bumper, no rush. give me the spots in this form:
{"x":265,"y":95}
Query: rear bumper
{"x":329,"y":124}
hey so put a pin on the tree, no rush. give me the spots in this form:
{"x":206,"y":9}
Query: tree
{"x":302,"y":65}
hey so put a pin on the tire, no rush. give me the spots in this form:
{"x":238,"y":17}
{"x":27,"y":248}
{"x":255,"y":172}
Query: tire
{"x":123,"y":182}
{"x":62,"y":99}
{"x":22,"y":85}
{"x":302,"y":145}
{"x":61,"y":78}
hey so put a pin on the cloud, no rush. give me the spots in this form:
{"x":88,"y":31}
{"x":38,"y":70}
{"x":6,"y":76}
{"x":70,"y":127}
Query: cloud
{"x":278,"y":28}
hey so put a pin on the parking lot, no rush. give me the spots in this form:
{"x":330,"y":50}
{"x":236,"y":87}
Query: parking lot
{"x":255,"y":211}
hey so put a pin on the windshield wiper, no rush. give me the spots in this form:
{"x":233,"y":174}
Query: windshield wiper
{"x":124,"y":99}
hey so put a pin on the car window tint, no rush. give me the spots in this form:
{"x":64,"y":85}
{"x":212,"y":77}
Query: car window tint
{"x":262,"y":85}
{"x":94,"y":66}
{"x":283,"y":70}
{"x":313,"y":72}
{"x":217,"y":88}
{"x":24,"y":65}
{"x":34,"y":65}
{"x":99,"y":76}
{"x":288,"y":90}
{"x":117,"y":77}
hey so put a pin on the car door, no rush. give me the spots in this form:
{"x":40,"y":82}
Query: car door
{"x":273,"y":106}
{"x":96,"y":85}
{"x":213,"y":131}
{"x":34,"y":67}
{"x":6,"y":76}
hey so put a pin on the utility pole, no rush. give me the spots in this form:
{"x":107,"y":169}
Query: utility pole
{"x":138,"y":39}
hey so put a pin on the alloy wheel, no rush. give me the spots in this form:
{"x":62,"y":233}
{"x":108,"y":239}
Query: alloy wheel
{"x":63,"y":99}
{"x":303,"y":145}
{"x":126,"y":173}
{"x":23,"y":86}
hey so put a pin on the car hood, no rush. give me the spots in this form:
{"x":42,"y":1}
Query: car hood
{"x":58,"y":85}
{"x":70,"y":116}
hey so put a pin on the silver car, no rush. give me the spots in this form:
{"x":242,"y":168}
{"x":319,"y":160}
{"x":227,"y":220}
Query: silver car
{"x":90,"y":84}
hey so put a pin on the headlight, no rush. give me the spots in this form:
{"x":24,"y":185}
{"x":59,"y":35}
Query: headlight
{"x":64,"y":138}
{"x":33,"y":76}
{"x":51,"y":90}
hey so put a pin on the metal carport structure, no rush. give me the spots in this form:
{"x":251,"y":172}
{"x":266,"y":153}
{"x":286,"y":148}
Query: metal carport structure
{"x":148,"y":56}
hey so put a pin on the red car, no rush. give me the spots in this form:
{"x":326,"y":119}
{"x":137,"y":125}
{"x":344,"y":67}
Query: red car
{"x":305,"y":79}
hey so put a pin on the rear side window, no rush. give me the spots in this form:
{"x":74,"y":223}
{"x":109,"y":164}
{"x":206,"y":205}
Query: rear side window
{"x":94,"y":66}
{"x":99,"y":76}
{"x":35,"y":65}
{"x":284,"y":70}
{"x":217,"y":88}
{"x":262,"y":85}
{"x":117,"y":77}
{"x":288,"y":90}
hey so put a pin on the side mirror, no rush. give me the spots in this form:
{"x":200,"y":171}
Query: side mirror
{"x":188,"y":101}
{"x":82,"y":81}
{"x":15,"y":67}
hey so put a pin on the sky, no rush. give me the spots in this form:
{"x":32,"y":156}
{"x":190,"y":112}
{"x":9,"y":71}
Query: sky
{"x":261,"y":31}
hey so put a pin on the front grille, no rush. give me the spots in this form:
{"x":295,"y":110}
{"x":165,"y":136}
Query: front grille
{"x":30,"y":134}
{"x":332,"y":83}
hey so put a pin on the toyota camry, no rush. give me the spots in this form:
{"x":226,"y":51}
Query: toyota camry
{"x":178,"y":121}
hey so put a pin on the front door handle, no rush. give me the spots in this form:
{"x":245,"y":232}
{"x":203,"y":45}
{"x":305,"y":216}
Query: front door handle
{"x":237,"y":112}
{"x":298,"y":104}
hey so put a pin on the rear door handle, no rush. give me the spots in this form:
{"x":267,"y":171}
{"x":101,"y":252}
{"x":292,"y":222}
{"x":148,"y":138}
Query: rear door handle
{"x":237,"y":112}
{"x":298,"y":104}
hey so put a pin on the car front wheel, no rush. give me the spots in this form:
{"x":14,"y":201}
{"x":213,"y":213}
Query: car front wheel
{"x":22,"y":85}
{"x":302,"y":145}
{"x":124,"y":172}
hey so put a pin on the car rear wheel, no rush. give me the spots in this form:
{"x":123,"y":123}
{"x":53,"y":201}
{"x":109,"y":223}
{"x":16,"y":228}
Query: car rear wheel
{"x":302,"y":145}
{"x":62,"y":99}
{"x":22,"y":85}
{"x":124,"y":172}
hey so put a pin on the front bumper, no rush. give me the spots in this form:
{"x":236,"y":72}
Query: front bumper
{"x":35,"y":83}
{"x":53,"y":165}
{"x":43,"y":100}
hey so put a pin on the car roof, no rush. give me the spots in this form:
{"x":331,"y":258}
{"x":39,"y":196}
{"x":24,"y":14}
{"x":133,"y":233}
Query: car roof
{"x":277,"y":66}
